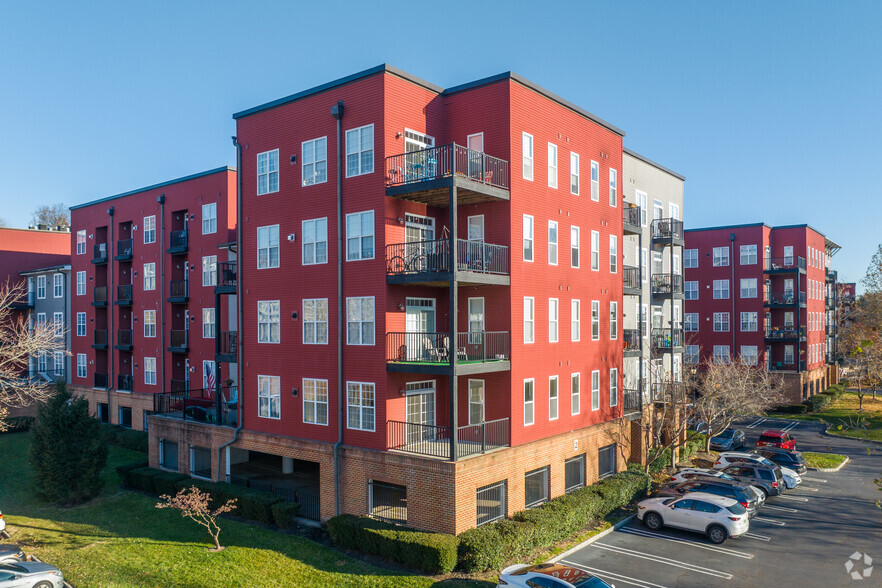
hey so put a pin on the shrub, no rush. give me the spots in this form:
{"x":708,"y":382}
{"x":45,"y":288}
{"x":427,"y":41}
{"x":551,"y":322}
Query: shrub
{"x":284,"y":513}
{"x":166,"y":482}
{"x":435,"y":553}
{"x":250,"y":504}
{"x":125,"y":438}
{"x":818,"y":402}
{"x":792,"y":409}
{"x":835,"y":392}
{"x":18,"y":424}
{"x":124,"y":470}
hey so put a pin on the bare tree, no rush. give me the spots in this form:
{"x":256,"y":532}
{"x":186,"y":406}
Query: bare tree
{"x":194,"y":505}
{"x":21,"y":342}
{"x":54,"y":215}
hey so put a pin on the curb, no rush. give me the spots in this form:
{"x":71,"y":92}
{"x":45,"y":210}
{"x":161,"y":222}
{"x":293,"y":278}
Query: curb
{"x":836,"y":469}
{"x":826,"y":433}
{"x":591,"y":540}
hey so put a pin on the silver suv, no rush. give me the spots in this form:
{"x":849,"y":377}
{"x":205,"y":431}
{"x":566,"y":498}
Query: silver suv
{"x":767,"y":477}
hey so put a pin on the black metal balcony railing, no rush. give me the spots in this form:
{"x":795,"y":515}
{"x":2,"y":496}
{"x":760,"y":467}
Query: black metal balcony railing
{"x":667,"y":338}
{"x":100,"y":337}
{"x":99,"y":296}
{"x":783,"y":264}
{"x":178,"y":340}
{"x":24,"y":301}
{"x":125,"y":382}
{"x":433,"y":257}
{"x":434,"y":440}
{"x":179,"y":289}
{"x":123,"y":249}
{"x":786,"y":366}
{"x":631,"y":277}
{"x":100,"y":253}
{"x":434,"y":348}
{"x":631,"y":217}
{"x":631,"y":339}
{"x":667,"y":228}
{"x":831,"y":275}
{"x":228,"y":342}
{"x":124,"y":338}
{"x":100,"y":380}
{"x":124,"y":293}
{"x":191,"y":405}
{"x":786,"y":298}
{"x":631,"y":400}
{"x":784,"y":333}
{"x":669,"y":392}
{"x":665,"y":284}
{"x":178,"y":241}
{"x":446,"y":161}
{"x":226,"y":273}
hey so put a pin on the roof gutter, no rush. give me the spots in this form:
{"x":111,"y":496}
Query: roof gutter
{"x":337,"y":113}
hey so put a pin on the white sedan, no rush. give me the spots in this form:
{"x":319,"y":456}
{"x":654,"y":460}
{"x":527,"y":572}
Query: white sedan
{"x":549,"y":576}
{"x":715,"y":516}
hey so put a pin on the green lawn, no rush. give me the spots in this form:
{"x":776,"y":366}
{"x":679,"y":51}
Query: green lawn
{"x":844,"y":410}
{"x":120,"y":539}
{"x":822,"y":460}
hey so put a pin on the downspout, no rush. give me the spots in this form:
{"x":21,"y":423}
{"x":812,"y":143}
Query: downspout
{"x":337,"y":113}
{"x":109,"y":297}
{"x":732,"y":289}
{"x":161,"y":200}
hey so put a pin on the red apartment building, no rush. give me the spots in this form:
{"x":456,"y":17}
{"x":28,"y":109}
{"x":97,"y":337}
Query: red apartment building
{"x":145,"y":319}
{"x":431,"y":299}
{"x":764,"y":294}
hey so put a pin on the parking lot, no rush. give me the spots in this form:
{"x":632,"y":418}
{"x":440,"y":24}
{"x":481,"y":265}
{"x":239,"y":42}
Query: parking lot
{"x":802,"y":538}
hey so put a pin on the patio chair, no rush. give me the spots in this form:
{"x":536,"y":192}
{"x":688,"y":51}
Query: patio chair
{"x":433,"y":353}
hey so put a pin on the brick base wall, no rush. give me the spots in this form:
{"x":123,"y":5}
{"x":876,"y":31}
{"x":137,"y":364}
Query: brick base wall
{"x":799,"y":386}
{"x":139,"y":403}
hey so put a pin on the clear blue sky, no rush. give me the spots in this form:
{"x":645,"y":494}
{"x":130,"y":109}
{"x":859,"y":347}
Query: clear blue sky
{"x":772,"y":110}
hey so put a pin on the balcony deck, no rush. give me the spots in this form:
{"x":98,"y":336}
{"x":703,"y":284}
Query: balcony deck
{"x":226,"y":278}
{"x":632,"y":345}
{"x":428,"y":263}
{"x":429,"y":353}
{"x":667,"y":340}
{"x":667,"y":231}
{"x":631,"y":220}
{"x":632,"y":404}
{"x":786,"y":299}
{"x":666,"y":286}
{"x":784,"y":334}
{"x":783,"y":265}
{"x":631,"y":285}
{"x":434,"y":440}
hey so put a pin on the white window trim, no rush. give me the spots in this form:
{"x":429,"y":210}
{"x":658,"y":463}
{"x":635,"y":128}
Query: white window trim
{"x":270,"y":397}
{"x":146,"y":371}
{"x":56,"y":286}
{"x":373,"y":149}
{"x":268,"y":173}
{"x":531,"y":238}
{"x":613,"y":254}
{"x":361,"y":321}
{"x":556,"y":322}
{"x":349,"y":406}
{"x":315,"y":222}
{"x":595,"y":392}
{"x":532,"y":402}
{"x":552,"y":165}
{"x":212,"y":324}
{"x":574,"y":173}
{"x":595,"y":251}
{"x":556,"y":248}
{"x":327,"y":403}
{"x":613,"y":379}
{"x":210,"y":206}
{"x":575,"y":321}
{"x":577,"y":395}
{"x":575,"y":246}
{"x":613,"y":187}
{"x":269,"y":247}
{"x":149,"y":231}
{"x":614,"y":311}
{"x":531,"y":320}
{"x":269,"y":331}
{"x":361,"y":257}
{"x":326,"y":322}
{"x":527,"y":157}
{"x":556,"y":379}
{"x":595,"y":184}
{"x":595,"y":304}
{"x":303,"y":181}
{"x":212,"y":273}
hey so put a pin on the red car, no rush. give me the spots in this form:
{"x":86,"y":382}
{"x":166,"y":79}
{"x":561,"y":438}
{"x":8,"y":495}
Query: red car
{"x":776,"y":439}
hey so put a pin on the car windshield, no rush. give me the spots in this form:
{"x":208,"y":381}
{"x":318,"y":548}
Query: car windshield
{"x":736,"y":509}
{"x":726,"y":477}
{"x":589,"y":582}
{"x":13,"y":568}
{"x":725,"y":435}
{"x":766,"y":461}
{"x":668,"y":501}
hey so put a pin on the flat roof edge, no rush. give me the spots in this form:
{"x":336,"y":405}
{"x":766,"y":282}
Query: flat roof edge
{"x":62,"y":267}
{"x":646,"y":160}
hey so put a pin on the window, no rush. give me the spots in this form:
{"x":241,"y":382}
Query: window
{"x":360,"y":398}
{"x":552,"y":165}
{"x":529,"y":402}
{"x":476,"y":320}
{"x":748,"y":254}
{"x":81,"y":242}
{"x":788,"y":255}
{"x":721,"y":289}
{"x":81,"y":283}
{"x":788,"y":354}
{"x":315,"y":161}
{"x":209,"y":270}
{"x":168,"y":454}
{"x":528,"y":238}
{"x":360,"y":235}
{"x":574,"y":173}
{"x":574,"y":473}
{"x":41,"y":287}
{"x":691,"y":354}
{"x":58,"y":322}
{"x":575,"y":394}
{"x":268,"y":247}
{"x":267,"y":172}
{"x":595,"y":181}
{"x":315,"y":321}
{"x":748,"y":322}
{"x":658,"y":210}
{"x":491,"y":503}
{"x":613,"y":254}
{"x":209,"y":218}
{"x":476,"y":402}
{"x":268,"y":321}
{"x":200,"y":462}
{"x":315,"y":241}
{"x":613,"y":187}
{"x":595,"y":320}
{"x":749,"y":354}
{"x":125,"y":417}
{"x":269,"y":397}
{"x":788,"y":319}
{"x":691,"y":291}
{"x":81,"y":365}
{"x":57,"y":285}
{"x":208,"y":326}
{"x":150,"y":371}
{"x":595,"y":390}
{"x":690,"y":258}
{"x":315,"y":401}
{"x":606,"y":461}
{"x":81,"y":324}
{"x":644,"y":314}
{"x":553,"y":398}
{"x":552,"y":242}
{"x":149,"y":229}
{"x":529,"y":307}
{"x":41,"y":361}
{"x":527,"y":150}
{"x":149,"y":323}
{"x":614,"y":387}
{"x":644,"y":265}
{"x":613,"y":321}
{"x":721,"y":256}
{"x":788,"y":287}
{"x":721,"y":354}
{"x":150,"y":276}
{"x":536,"y":487}
{"x":721,"y":322}
{"x":360,"y":321}
{"x":552,"y":320}
{"x":575,"y":320}
{"x":748,"y":287}
{"x":595,"y":251}
{"x":41,"y":320}
{"x":642,"y":198}
{"x":658,"y":264}
{"x":574,"y":246}
{"x":360,"y":151}
{"x":691,"y":323}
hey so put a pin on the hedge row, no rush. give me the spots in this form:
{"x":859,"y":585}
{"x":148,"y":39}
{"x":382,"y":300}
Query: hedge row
{"x":835,"y":392}
{"x":435,"y":553}
{"x":491,"y":546}
{"x":125,"y":438}
{"x":816,"y":403}
{"x":18,"y":424}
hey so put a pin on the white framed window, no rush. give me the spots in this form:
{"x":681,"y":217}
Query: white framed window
{"x":476,"y":319}
{"x":642,"y":199}
{"x":690,"y":258}
{"x":614,"y":387}
{"x":41,"y":361}
{"x":81,"y":242}
{"x":595,"y":251}
{"x":41,"y":320}
{"x":788,"y":255}
{"x":268,"y":321}
{"x":595,"y":320}
{"x":613,"y":187}
{"x":553,"y":398}
{"x":748,"y":288}
{"x":314,"y":155}
{"x":721,"y":354}
{"x":57,"y":285}
{"x":788,"y":319}
{"x":657,"y":263}
{"x":41,"y":287}
{"x":574,"y":247}
{"x":528,"y":237}
{"x":613,"y":320}
{"x":209,"y":218}
{"x":315,"y":321}
{"x":595,"y":181}
{"x":553,"y":307}
{"x":690,"y":325}
{"x":150,"y":371}
{"x":269,"y":397}
{"x":476,"y":402}
{"x":81,"y":365}
{"x":149,"y":229}
{"x":149,"y":276}
{"x":268,"y":172}
{"x":268,"y":247}
{"x":208,"y":324}
{"x":360,"y":406}
{"x":574,"y":173}
{"x":552,"y":242}
{"x":81,"y":324}
{"x":658,"y":210}
{"x":360,"y":321}
{"x":58,"y":322}
{"x":721,"y":322}
{"x":552,"y":165}
{"x":315,"y":241}
{"x":748,"y":322}
{"x":691,"y":354}
{"x":527,"y":152}
{"x":315,"y":401}
{"x":209,"y":270}
{"x":595,"y":390}
{"x":644,"y":264}
{"x":529,"y":402}
{"x":575,"y":394}
{"x":749,"y":354}
{"x":81,"y":283}
{"x":691,"y":290}
{"x":360,"y":151}
{"x":575,"y":320}
{"x":529,"y":319}
{"x":360,"y":235}
{"x":149,"y":323}
{"x":748,"y":255}
{"x":721,"y":289}
{"x":721,"y":256}
{"x":613,"y":254}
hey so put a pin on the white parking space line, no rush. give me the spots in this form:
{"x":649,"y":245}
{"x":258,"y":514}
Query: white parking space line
{"x":797,"y":498}
{"x":784,"y":508}
{"x":757,"y":536}
{"x":804,"y":479}
{"x":614,"y":576}
{"x":770,"y":521}
{"x":664,"y":560}
{"x":754,"y":424}
{"x":809,"y":489}
{"x":791,"y":426}
{"x":644,"y":533}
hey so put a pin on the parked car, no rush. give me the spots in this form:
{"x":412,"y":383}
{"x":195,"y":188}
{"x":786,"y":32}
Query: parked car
{"x":715,"y":516}
{"x":733,"y":489}
{"x":783,"y":457}
{"x":776,"y":439}
{"x":549,"y":576}
{"x":791,"y":478}
{"x":11,"y":553}
{"x":769,"y":478}
{"x":684,"y":474}
{"x":30,"y":574}
{"x":728,"y":440}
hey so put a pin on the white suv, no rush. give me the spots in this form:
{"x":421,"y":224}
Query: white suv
{"x":791,"y":478}
{"x":2,"y":524}
{"x":715,"y":516}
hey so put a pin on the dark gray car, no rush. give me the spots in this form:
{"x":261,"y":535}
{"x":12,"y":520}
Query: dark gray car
{"x":728,"y":440}
{"x":783,"y":457}
{"x":767,"y":477}
{"x":733,"y":489}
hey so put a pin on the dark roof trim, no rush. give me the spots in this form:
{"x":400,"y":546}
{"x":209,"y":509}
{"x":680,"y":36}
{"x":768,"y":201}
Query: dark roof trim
{"x":64,"y":267}
{"x":652,"y":163}
{"x":803,"y":226}
{"x":155,"y":186}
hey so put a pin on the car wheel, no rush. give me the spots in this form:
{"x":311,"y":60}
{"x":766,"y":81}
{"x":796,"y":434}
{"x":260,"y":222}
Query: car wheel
{"x":653,"y":521}
{"x":765,"y":492}
{"x":717,"y":534}
{"x":43,"y":585}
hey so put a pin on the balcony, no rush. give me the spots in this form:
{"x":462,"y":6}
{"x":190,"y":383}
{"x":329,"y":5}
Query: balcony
{"x":227,"y":346}
{"x":179,"y":342}
{"x":666,"y":285}
{"x":429,"y":263}
{"x":786,"y":299}
{"x":24,"y":302}
{"x":123,"y":250}
{"x":632,"y":402}
{"x":178,"y":242}
{"x":632,"y":224}
{"x":430,"y":353}
{"x":786,"y":366}
{"x":179,"y":291}
{"x":179,"y":386}
{"x":123,"y":295}
{"x":100,"y":339}
{"x":185,"y":405}
{"x":831,"y":275}
{"x":830,"y":303}
{"x":784,"y":265}
{"x":790,"y":334}
{"x":667,"y":340}
{"x":632,"y":343}
{"x":124,"y":340}
{"x":100,"y":253}
{"x":631,"y":281}
{"x":832,"y":329}
{"x":125,"y":382}
{"x":667,"y":231}
{"x":99,"y":296}
{"x":428,"y":174}
{"x":100,"y":380}
{"x":668,"y":392}
{"x":434,"y":440}
{"x":226,"y":278}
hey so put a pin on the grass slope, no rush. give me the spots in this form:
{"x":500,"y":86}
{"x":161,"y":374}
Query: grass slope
{"x":845,"y":409}
{"x":822,"y":460}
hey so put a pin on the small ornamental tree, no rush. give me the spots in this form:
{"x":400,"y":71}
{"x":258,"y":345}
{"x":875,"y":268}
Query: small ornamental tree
{"x":194,"y":504}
